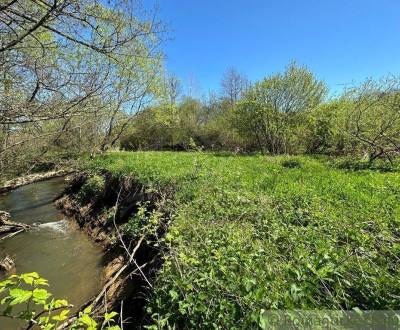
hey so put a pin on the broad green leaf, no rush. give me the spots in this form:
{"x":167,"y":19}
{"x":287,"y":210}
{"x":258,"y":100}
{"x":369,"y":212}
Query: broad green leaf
{"x":87,"y":320}
{"x":29,"y":278}
{"x":62,"y":316}
{"x":7,"y":283}
{"x":87,"y":310}
{"x":41,"y":295}
{"x":110,"y":316}
{"x":19,"y":296}
{"x":60,"y":303}
{"x":44,"y":319}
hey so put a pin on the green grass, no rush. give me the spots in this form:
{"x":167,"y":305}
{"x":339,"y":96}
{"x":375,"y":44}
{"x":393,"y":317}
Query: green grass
{"x":250,"y":233}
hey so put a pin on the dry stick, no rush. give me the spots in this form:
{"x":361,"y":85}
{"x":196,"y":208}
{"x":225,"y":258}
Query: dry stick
{"x":109,"y":283}
{"x":131,"y":255}
{"x":12,"y":234}
{"x":105,"y":288}
{"x":120,"y":315}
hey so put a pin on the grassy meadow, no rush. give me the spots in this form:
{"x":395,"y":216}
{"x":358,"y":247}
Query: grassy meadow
{"x":252,"y":233}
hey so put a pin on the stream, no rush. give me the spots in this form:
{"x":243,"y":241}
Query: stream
{"x":55,"y":248}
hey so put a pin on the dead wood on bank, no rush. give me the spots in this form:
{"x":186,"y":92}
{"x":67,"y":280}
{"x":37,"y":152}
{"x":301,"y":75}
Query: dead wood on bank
{"x":28,"y":179}
{"x":10,"y":228}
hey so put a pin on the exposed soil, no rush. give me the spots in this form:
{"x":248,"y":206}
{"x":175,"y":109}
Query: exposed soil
{"x":126,"y":285}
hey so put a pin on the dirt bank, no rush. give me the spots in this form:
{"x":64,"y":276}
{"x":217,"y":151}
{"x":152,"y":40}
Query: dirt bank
{"x":131,"y":260}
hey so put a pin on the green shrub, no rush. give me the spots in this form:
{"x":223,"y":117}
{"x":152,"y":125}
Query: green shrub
{"x":359,"y":165}
{"x":291,"y":163}
{"x":91,"y":189}
{"x":143,"y":222}
{"x":133,"y":226}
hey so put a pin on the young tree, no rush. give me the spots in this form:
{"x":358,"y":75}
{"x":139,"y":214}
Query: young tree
{"x":274,"y":108}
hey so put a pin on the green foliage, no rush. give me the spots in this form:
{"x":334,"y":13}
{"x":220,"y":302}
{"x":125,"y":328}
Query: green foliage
{"x":291,"y":163}
{"x":373,"y":120}
{"x":144,"y":222}
{"x":352,"y":164}
{"x":325,"y":131}
{"x":25,"y":297}
{"x":273,"y":111}
{"x":285,"y":113}
{"x":250,"y":235}
{"x":189,"y":125}
{"x":91,"y":189}
{"x":135,"y":224}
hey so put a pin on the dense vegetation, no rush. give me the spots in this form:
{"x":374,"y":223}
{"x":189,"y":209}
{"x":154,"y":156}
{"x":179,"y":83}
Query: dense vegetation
{"x":288,"y":199}
{"x":106,"y":88}
{"x":284,"y":113}
{"x":252,"y":233}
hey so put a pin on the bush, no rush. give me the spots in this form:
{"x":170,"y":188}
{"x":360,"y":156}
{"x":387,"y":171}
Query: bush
{"x":133,"y":226}
{"x":143,"y":222}
{"x":91,"y":189}
{"x":359,"y":165}
{"x":291,"y":163}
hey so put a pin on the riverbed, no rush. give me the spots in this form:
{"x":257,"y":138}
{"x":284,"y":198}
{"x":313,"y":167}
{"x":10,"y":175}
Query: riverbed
{"x":55,"y":247}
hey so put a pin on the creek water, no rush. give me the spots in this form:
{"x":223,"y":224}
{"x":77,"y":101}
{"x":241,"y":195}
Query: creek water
{"x":55,"y":248}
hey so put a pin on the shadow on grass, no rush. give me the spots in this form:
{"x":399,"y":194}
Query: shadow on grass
{"x":359,"y":165}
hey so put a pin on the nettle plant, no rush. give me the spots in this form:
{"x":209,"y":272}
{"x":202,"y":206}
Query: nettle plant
{"x":25,"y":298}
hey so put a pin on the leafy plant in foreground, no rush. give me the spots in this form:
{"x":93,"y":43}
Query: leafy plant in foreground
{"x":25,"y":298}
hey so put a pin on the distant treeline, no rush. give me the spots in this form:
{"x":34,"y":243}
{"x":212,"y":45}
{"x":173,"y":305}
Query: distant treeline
{"x":288,"y":112}
{"x":84,"y":77}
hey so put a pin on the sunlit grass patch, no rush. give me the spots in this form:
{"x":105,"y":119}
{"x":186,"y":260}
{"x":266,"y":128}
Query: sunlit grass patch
{"x":250,"y":234}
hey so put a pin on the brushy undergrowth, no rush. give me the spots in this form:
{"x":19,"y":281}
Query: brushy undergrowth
{"x":91,"y":189}
{"x":249,"y":234}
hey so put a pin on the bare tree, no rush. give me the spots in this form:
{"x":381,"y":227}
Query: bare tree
{"x":233,"y":84}
{"x":173,"y":88}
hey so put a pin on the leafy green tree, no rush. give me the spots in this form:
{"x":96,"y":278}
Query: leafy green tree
{"x":73,"y":72}
{"x":324,"y":133}
{"x":274,"y":108}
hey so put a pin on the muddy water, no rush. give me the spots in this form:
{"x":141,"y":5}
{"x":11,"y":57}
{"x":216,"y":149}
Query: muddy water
{"x":55,"y":248}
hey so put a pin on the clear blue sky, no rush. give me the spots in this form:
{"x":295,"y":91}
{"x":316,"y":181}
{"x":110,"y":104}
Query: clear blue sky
{"x":340,"y":40}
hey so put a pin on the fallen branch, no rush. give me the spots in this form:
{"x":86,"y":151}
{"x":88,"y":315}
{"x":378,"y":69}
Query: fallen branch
{"x":25,"y":180}
{"x":10,"y":228}
{"x":12,"y":234}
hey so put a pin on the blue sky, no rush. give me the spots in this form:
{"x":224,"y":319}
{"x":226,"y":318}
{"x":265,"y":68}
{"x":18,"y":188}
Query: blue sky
{"x":340,"y":40}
